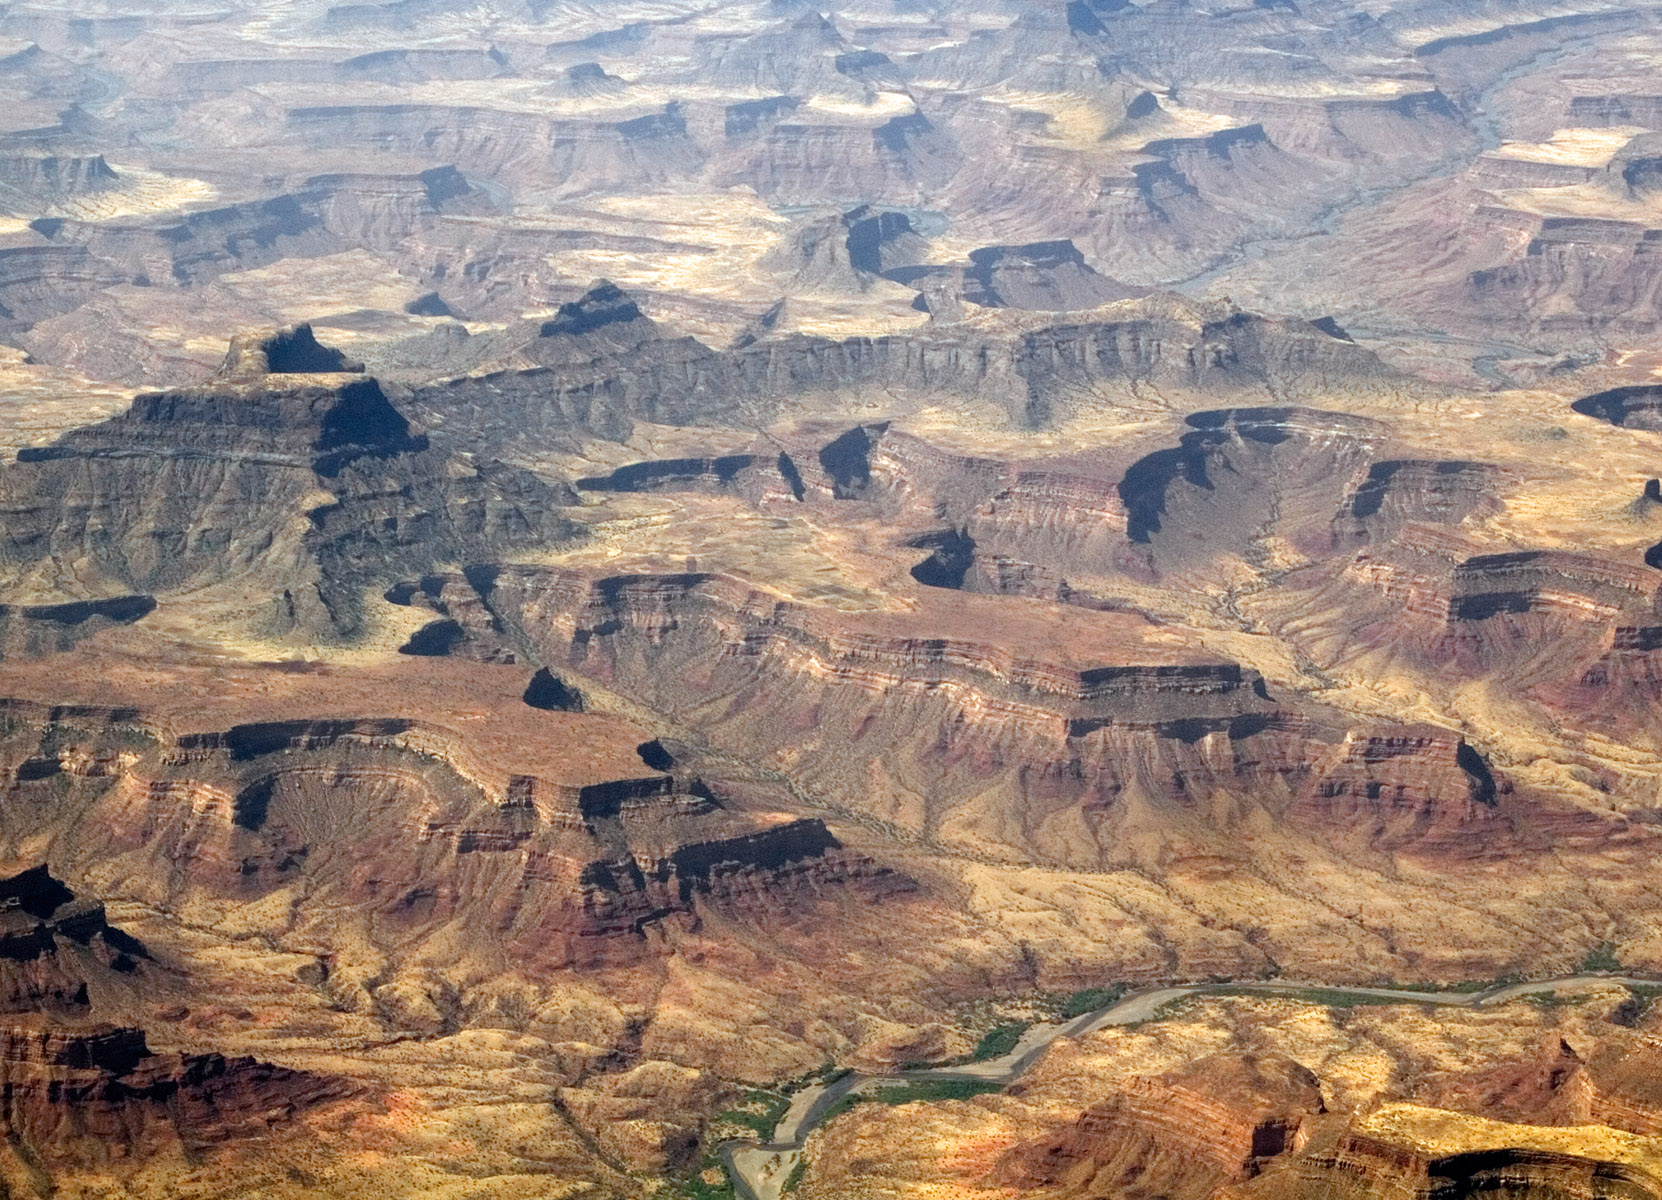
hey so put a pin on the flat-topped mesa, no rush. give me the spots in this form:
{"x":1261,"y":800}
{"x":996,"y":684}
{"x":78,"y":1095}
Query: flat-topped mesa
{"x":399,"y":738}
{"x":294,"y":350}
{"x":1036,"y":375}
{"x":1043,"y":276}
{"x":412,"y":826}
{"x":40,"y":176}
{"x":85,"y":1095}
{"x":1236,"y":471}
{"x":1637,"y":407}
{"x":1039,"y":275}
{"x":311,"y":488}
{"x":757,"y":477}
{"x":589,"y":79}
{"x":58,"y":952}
{"x":317,"y":426}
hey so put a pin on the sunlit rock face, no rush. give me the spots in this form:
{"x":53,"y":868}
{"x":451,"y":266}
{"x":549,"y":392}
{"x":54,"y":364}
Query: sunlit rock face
{"x":569,"y":572}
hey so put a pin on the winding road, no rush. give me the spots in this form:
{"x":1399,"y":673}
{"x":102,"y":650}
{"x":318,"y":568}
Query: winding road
{"x":759,"y":1169}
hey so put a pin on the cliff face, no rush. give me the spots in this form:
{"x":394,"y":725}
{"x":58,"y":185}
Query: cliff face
{"x":1360,"y":1166}
{"x":1097,"y":757}
{"x":1222,"y":1120}
{"x":314,"y":491}
{"x":84,"y":1094}
{"x":1034,"y":376}
{"x":56,"y":949}
{"x":81,"y":1097}
{"x":408,"y":829}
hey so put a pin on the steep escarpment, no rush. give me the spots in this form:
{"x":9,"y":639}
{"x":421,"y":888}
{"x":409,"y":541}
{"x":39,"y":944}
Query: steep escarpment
{"x":79,"y":1097}
{"x":1033,"y":376}
{"x":59,"y":955}
{"x":1093,"y":740}
{"x":1637,"y":407}
{"x":413,"y":830}
{"x":1211,"y":487}
{"x":313,"y":491}
{"x":755,"y":476}
{"x":1362,"y":1165}
{"x":1222,"y":1119}
{"x":80,"y":1091}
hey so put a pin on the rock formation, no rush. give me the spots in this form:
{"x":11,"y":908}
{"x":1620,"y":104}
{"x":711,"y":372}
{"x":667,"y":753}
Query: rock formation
{"x":316,"y":490}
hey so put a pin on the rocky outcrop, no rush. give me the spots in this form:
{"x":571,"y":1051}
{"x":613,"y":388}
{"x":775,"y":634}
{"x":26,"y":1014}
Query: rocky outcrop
{"x":1057,"y":739}
{"x":1396,"y":492}
{"x":1359,"y":1165}
{"x":30,"y":183}
{"x":1217,"y":490}
{"x":1551,"y":583}
{"x":315,"y":491}
{"x":755,"y":476}
{"x":1034,"y":376}
{"x":406,"y":827}
{"x":1418,"y":791}
{"x":1044,"y":276}
{"x":293,"y":351}
{"x":84,"y":1096}
{"x":57,"y":949}
{"x":1222,"y":1120}
{"x":30,"y":630}
{"x":1637,"y":407}
{"x":1552,"y":1088}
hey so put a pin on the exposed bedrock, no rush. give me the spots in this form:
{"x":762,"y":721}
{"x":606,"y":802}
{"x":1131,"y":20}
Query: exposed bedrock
{"x":407,"y":825}
{"x":1240,"y":470}
{"x":795,"y":160}
{"x":849,"y":251}
{"x":86,"y":1094}
{"x":58,"y":953}
{"x":605,"y":380}
{"x":318,"y":490}
{"x":292,"y":351}
{"x":1064,"y":760}
{"x":880,"y":240}
{"x":952,"y":554}
{"x":1398,"y":491}
{"x":754,"y":476}
{"x":1579,"y":634}
{"x":326,"y":214}
{"x":1637,"y":407}
{"x":1576,"y":275}
{"x":1358,"y":1165}
{"x":549,"y":692}
{"x":1223,"y":1119}
{"x":1420,"y":791}
{"x":56,"y":175}
{"x":1551,"y":582}
{"x":1046,"y":276}
{"x":42,"y":281}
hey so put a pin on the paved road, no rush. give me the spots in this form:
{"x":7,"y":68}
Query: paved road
{"x":759,"y":1169}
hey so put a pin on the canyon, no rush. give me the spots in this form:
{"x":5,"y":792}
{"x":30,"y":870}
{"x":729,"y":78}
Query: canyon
{"x":901,"y":598}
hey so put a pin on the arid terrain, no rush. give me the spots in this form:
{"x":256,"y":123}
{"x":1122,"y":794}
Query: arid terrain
{"x":912,"y":598}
